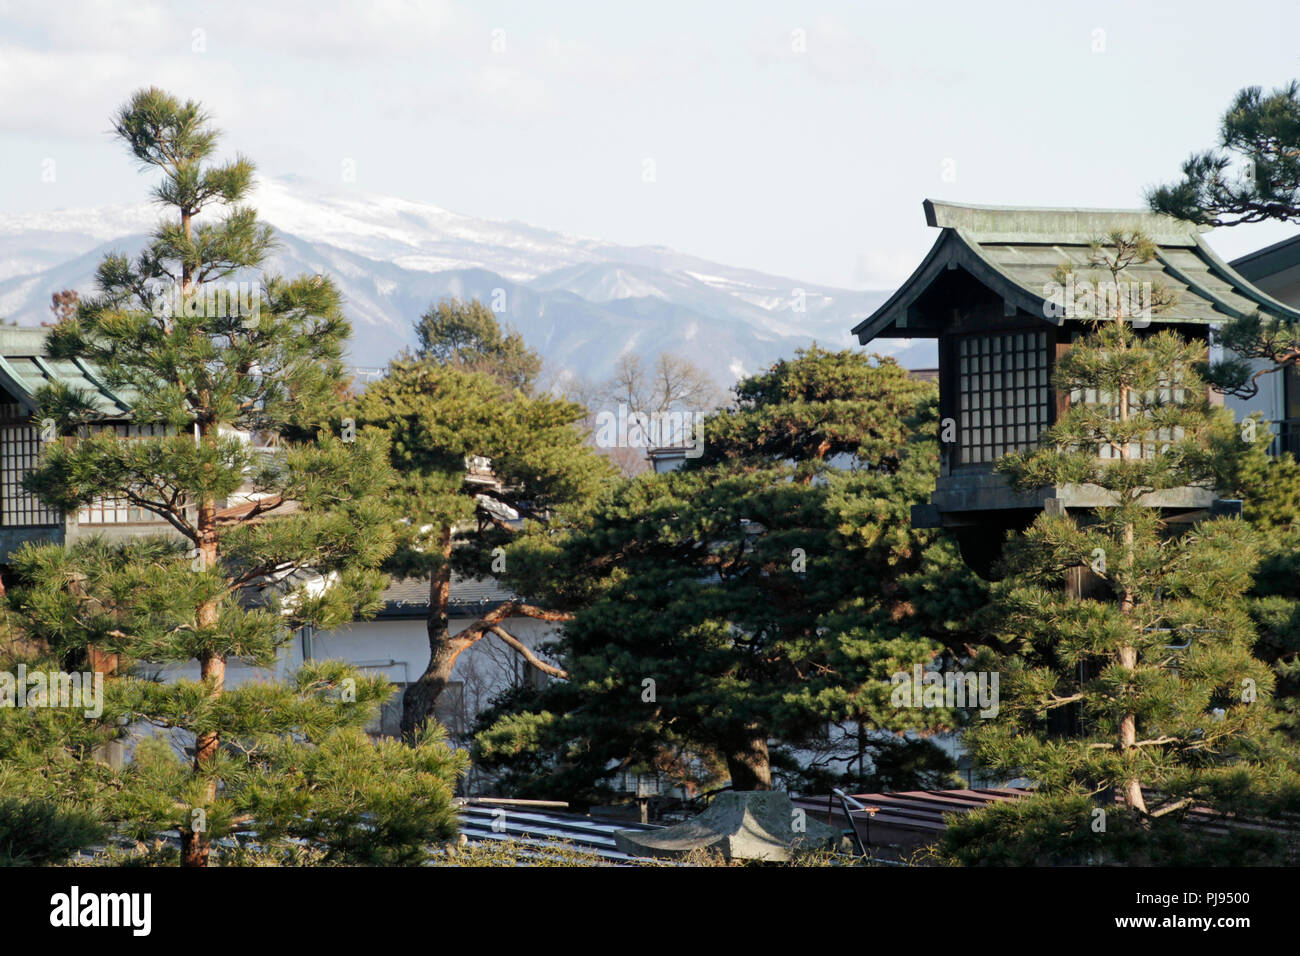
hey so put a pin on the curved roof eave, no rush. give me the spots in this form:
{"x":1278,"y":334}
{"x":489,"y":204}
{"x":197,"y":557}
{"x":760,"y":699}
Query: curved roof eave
{"x":953,"y":249}
{"x":1218,"y":302}
{"x":905,"y":294}
{"x":13,"y":384}
{"x":1243,"y":286}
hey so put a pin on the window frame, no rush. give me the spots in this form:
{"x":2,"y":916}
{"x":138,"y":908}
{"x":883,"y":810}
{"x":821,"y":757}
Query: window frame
{"x":989,"y":365}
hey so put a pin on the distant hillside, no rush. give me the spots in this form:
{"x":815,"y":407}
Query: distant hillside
{"x":580,"y":302}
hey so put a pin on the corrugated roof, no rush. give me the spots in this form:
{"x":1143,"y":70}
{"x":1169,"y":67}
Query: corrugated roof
{"x":24,"y":369}
{"x":544,"y":831}
{"x":1015,"y":252}
{"x":919,"y":811}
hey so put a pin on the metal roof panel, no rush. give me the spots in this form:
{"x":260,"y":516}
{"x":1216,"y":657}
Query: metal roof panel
{"x":1016,"y":252}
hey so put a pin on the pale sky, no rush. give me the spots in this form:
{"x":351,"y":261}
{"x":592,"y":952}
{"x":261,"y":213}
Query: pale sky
{"x":795,"y":138}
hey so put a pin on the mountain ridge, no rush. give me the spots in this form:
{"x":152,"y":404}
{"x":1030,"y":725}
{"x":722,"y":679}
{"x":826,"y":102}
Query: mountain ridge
{"x":581,"y":302}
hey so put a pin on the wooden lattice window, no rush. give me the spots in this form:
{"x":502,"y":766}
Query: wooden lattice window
{"x":20,"y":446}
{"x":113,"y":510}
{"x":1156,"y":441}
{"x":1003,"y":394}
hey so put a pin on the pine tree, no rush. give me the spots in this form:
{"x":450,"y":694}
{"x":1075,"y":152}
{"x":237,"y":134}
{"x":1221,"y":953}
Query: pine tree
{"x":263,"y":540}
{"x":460,"y":516}
{"x":1260,"y":136}
{"x":1141,"y":698}
{"x":1261,"y":130}
{"x":467,"y":335}
{"x":757,"y":594}
{"x":1269,"y":489}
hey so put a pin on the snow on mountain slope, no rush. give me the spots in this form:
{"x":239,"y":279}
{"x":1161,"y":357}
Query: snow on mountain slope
{"x":581,"y":302}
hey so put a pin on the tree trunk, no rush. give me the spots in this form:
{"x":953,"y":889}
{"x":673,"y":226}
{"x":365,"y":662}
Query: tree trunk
{"x":421,"y":698}
{"x":420,"y":701}
{"x":1131,"y":789}
{"x":194,"y":843}
{"x":748,"y":762}
{"x":212,"y":670}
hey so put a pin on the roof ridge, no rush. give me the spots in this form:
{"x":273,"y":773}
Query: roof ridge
{"x":1055,"y":225}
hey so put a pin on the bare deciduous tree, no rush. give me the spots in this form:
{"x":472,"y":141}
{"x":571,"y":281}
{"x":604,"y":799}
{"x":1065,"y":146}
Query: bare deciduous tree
{"x":64,"y":306}
{"x":668,"y":381}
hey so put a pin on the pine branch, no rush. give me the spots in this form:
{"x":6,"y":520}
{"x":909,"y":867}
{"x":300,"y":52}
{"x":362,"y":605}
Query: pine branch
{"x":528,"y":655}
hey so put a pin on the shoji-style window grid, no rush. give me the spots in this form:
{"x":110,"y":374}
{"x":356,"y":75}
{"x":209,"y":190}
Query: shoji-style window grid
{"x":1153,"y":442}
{"x":1003,"y":394}
{"x":20,"y":446}
{"x":113,"y":510}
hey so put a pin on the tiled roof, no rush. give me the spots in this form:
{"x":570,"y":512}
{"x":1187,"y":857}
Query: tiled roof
{"x":24,"y":369}
{"x":1016,"y":252}
{"x":410,"y":596}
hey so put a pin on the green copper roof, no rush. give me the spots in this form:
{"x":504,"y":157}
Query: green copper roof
{"x":1025,"y":224}
{"x":1015,"y":252}
{"x":24,"y":368}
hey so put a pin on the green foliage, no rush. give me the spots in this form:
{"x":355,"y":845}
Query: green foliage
{"x":1069,"y":829}
{"x":1261,"y":129}
{"x":436,"y":418}
{"x":295,"y":766}
{"x":36,"y":833}
{"x":467,"y":335}
{"x":1247,"y":340}
{"x":514,"y":853}
{"x":374,"y":804}
{"x":815,"y":406}
{"x":762,"y":596}
{"x":253,"y":542}
{"x":1269,"y":489}
{"x":158,"y":330}
{"x":1143,"y":691}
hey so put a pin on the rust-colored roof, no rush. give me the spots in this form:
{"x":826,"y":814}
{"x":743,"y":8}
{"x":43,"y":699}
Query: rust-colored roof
{"x":916,"y":809}
{"x":906,"y":819}
{"x":243,"y":510}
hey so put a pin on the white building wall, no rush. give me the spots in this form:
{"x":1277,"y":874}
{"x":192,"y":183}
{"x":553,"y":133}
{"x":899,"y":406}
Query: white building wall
{"x":1269,"y":401}
{"x":398,"y":649}
{"x":1284,"y":286}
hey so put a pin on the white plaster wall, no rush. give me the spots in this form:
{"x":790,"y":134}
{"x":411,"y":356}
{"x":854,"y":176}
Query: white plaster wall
{"x":1285,"y":287}
{"x":1268,"y":402}
{"x":399,"y":650}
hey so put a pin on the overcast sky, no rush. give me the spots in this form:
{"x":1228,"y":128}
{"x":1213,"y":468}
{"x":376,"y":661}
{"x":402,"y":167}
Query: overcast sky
{"x":795,"y":138}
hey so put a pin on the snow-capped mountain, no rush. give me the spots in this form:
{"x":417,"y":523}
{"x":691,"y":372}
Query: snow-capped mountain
{"x":580,"y":302}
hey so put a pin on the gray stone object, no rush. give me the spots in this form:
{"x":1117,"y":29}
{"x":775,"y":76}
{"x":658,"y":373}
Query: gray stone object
{"x":742,"y":825}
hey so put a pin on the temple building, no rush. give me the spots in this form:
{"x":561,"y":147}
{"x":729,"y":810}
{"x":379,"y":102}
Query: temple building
{"x":990,"y":293}
{"x":24,"y":369}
